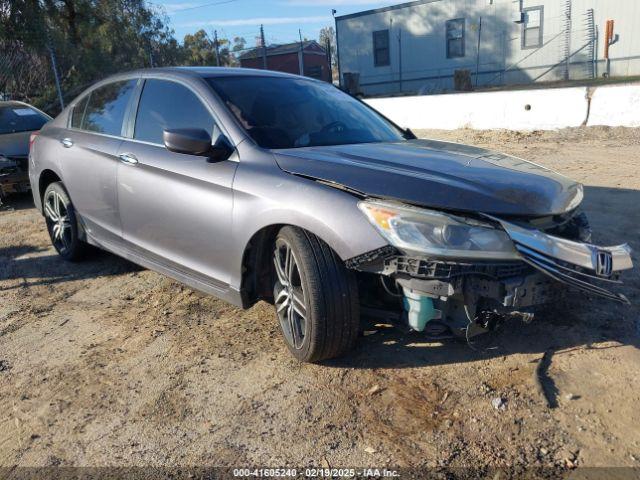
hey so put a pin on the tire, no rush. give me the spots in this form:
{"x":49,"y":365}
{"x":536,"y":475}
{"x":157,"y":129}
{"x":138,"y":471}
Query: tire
{"x":316,"y":297}
{"x":62,"y":223}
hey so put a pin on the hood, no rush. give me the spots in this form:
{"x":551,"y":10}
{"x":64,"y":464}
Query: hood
{"x":14,"y":144}
{"x":439,"y":175}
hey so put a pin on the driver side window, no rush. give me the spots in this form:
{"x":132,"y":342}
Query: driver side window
{"x":166,"y":104}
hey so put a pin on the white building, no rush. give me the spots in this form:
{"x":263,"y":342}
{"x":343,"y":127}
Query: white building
{"x":417,"y":46}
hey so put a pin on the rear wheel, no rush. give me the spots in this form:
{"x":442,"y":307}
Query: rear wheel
{"x":62,"y":223}
{"x":316,"y":297}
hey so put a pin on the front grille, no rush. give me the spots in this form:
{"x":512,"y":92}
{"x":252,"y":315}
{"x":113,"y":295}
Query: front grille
{"x":572,"y":275}
{"x":421,"y":268}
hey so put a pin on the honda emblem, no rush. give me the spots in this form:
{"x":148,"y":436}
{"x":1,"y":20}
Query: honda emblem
{"x":604,"y":263}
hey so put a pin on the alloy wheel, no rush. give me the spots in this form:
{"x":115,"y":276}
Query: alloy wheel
{"x":57,"y":214}
{"x":289,"y":294}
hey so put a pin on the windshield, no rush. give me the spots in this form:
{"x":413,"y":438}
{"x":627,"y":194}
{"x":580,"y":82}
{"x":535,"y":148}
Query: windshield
{"x":20,"y":118}
{"x":285,"y":112}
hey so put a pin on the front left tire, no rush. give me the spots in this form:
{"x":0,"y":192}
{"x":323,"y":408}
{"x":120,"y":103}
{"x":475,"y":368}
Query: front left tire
{"x":316,"y":297}
{"x":62,"y":224}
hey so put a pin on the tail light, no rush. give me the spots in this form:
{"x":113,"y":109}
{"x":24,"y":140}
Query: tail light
{"x":32,"y":138}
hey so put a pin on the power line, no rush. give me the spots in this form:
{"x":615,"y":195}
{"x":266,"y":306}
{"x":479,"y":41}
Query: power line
{"x":201,"y":6}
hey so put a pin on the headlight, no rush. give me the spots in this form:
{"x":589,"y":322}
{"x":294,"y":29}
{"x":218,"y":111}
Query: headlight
{"x":438,"y":234}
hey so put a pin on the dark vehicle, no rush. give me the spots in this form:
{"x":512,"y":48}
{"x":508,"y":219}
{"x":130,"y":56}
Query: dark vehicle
{"x":17,"y":122}
{"x":255,"y":185}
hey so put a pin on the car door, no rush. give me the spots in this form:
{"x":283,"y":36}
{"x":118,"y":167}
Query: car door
{"x":175,"y":209}
{"x":90,"y":152}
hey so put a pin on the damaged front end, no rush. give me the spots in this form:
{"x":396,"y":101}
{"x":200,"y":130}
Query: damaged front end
{"x":14,"y":175}
{"x":468,"y":274}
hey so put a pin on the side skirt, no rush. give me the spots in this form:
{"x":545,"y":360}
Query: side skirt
{"x":190,"y":278}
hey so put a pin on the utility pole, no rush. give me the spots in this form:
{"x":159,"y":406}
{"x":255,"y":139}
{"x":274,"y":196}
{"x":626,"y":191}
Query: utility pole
{"x":301,"y":58}
{"x":335,"y":21}
{"x":264,"y":48}
{"x":54,"y":65}
{"x":400,"y":58}
{"x":329,"y":59}
{"x":215,"y":41}
{"x":478,"y":53}
{"x":389,"y":39}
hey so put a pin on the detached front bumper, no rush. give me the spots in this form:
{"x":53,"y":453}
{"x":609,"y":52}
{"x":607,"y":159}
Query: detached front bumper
{"x":459,"y":292}
{"x":545,"y":260}
{"x":583,"y":266}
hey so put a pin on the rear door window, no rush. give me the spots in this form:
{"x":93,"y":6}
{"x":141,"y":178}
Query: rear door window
{"x":166,"y":104}
{"x":107,"y":107}
{"x":78,"y":113}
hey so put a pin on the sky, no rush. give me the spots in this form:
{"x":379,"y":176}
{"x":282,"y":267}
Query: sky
{"x":281,"y":18}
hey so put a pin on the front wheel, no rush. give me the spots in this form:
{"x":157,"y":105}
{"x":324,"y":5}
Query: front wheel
{"x":61,"y":223}
{"x":316,"y":297}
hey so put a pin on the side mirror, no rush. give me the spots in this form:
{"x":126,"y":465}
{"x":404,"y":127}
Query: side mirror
{"x":195,"y":141}
{"x":192,"y":141}
{"x":221,"y":150}
{"x":409,"y":135}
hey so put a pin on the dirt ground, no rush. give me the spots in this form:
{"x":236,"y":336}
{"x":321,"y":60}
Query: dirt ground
{"x":105,"y":364}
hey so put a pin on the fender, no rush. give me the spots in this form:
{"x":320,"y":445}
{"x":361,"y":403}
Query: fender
{"x":279,"y":198}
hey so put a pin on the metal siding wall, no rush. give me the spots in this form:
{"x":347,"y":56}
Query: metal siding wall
{"x":626,"y":14}
{"x":427,"y":70}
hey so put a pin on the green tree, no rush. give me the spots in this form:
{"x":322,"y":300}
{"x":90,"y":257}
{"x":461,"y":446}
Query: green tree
{"x":199,"y":49}
{"x":239,"y":44}
{"x":90,"y":38}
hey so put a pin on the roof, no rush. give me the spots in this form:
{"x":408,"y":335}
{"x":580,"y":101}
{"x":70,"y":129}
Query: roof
{"x":196,"y":72}
{"x":204,"y":72}
{"x":285,"y":48}
{"x":192,"y":72}
{"x":13,"y":103}
{"x":223,"y":71}
{"x":384,"y":9}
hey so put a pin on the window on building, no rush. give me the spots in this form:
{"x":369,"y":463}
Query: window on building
{"x":532,"y":27}
{"x":314,"y":71}
{"x":381,"y":57}
{"x":455,"y":38}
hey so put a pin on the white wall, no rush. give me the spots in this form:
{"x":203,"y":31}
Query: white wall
{"x":616,"y":106}
{"x":550,"y":109}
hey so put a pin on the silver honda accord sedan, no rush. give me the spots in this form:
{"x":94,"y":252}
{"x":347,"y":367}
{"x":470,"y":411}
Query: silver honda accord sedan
{"x":254,"y":185}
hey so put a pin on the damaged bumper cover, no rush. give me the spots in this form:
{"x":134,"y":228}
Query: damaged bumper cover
{"x":544,"y":260}
{"x":583,"y":266}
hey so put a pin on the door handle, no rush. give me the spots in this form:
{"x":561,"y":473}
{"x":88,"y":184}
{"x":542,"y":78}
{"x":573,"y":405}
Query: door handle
{"x":66,"y":142}
{"x":128,"y":158}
